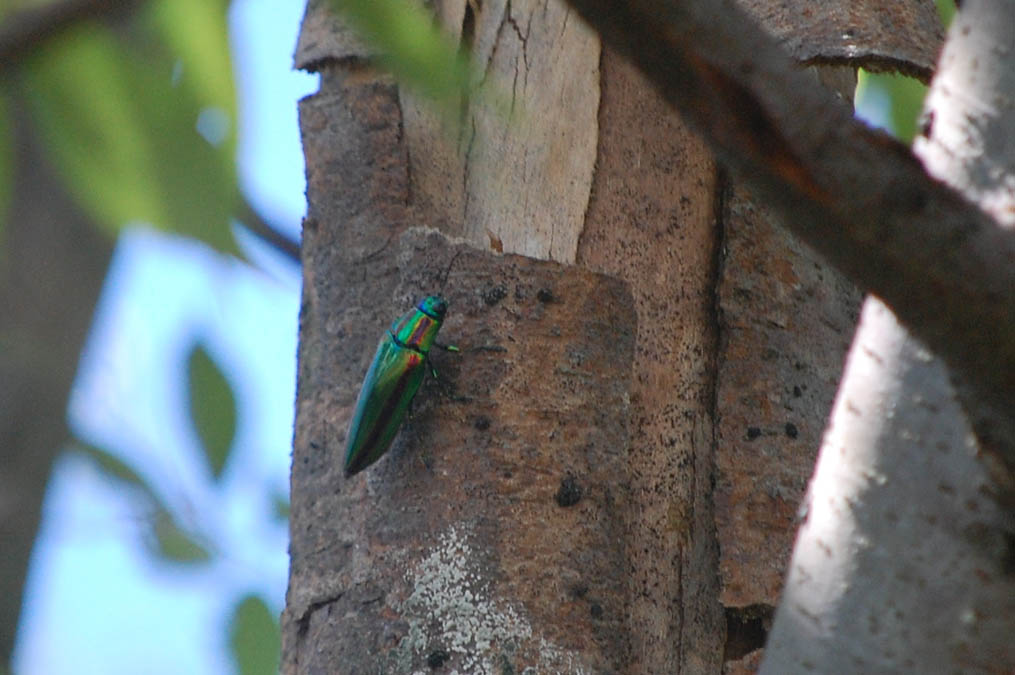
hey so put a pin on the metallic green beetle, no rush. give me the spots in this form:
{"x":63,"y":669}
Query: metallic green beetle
{"x":393,"y":379}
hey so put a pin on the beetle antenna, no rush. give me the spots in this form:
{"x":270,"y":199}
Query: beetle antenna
{"x":447,"y":271}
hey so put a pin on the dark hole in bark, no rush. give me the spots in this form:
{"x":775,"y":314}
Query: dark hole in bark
{"x":746,"y":630}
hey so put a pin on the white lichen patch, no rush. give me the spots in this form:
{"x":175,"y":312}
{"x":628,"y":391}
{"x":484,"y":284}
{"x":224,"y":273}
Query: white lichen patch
{"x":451,"y":608}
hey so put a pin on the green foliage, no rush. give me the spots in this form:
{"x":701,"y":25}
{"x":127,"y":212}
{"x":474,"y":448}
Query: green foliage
{"x":255,"y":638}
{"x":280,"y":506}
{"x":196,"y":33}
{"x":120,"y":114}
{"x":905,"y":96}
{"x":946,"y":10}
{"x":412,"y":47}
{"x":212,"y":408}
{"x":175,"y":544}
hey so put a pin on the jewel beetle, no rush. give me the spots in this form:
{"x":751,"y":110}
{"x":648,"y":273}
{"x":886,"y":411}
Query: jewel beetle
{"x":394,"y":377}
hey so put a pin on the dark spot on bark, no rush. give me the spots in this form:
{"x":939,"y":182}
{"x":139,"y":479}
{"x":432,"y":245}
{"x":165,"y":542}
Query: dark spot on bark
{"x":746,"y":630}
{"x":578,"y":590}
{"x":493,"y":295}
{"x":797,"y":391}
{"x":791,"y":430}
{"x":752,"y":433}
{"x":544,"y":295}
{"x":596,"y":610}
{"x":570,"y":493}
{"x":482,"y":423}
{"x":1008,"y":556}
{"x":437,"y":658}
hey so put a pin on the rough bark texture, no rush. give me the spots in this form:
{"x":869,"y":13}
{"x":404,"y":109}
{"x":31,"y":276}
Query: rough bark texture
{"x":856,"y":197}
{"x":487,"y":538}
{"x":718,"y":389}
{"x":785,"y":319}
{"x":786,"y":322}
{"x":651,"y":221}
{"x":351,"y":129}
{"x":872,"y":34}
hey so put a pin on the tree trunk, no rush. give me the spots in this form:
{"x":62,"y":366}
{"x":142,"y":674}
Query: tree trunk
{"x":611,"y":484}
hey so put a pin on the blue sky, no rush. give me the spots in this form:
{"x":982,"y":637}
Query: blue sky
{"x":96,"y":600}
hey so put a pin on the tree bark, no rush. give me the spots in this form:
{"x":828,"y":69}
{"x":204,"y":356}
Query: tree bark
{"x":856,"y":197}
{"x":707,"y":345}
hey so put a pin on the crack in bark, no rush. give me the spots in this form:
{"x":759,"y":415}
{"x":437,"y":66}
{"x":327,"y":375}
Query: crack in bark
{"x":303,"y":622}
{"x":404,"y":142}
{"x":465,"y":173}
{"x":523,"y":38}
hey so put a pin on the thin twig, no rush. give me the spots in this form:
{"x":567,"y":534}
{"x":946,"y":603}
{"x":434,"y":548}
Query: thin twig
{"x":268,"y":233}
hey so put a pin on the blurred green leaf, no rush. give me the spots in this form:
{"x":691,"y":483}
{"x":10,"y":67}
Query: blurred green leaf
{"x":254,"y":637}
{"x":412,"y":47}
{"x":280,"y":506}
{"x":115,"y":467}
{"x":196,"y":33}
{"x":946,"y":10}
{"x":174,"y":543}
{"x":905,"y":96}
{"x":142,"y":124}
{"x":212,"y":408}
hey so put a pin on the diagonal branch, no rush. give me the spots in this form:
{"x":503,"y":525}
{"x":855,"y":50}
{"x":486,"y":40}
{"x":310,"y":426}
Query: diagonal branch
{"x":859,"y":198}
{"x":268,"y":233}
{"x":25,"y":29}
